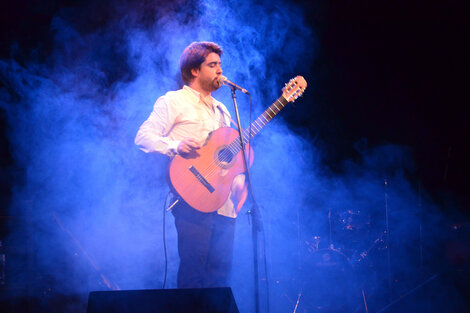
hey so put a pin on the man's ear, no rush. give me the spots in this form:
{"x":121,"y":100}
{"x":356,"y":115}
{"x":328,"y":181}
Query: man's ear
{"x":195,"y":72}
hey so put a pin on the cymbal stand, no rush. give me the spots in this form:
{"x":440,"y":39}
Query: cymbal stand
{"x":365,"y":253}
{"x":387,"y":236}
{"x":330,"y":242}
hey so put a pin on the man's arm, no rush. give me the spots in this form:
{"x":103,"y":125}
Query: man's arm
{"x":152,"y":134}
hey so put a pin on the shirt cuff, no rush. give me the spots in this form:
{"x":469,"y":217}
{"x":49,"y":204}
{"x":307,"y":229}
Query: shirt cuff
{"x":173,"y":147}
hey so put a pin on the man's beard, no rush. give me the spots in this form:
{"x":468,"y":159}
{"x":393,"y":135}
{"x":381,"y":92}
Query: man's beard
{"x":213,"y":84}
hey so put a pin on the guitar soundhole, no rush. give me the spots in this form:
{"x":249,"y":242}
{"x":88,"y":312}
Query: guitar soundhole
{"x":225,"y":156}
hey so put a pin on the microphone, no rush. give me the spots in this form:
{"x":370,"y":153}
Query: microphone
{"x":224,"y":81}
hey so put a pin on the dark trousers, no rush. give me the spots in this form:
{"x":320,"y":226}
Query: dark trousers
{"x":205,"y":246}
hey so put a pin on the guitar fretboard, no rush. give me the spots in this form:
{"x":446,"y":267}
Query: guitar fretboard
{"x":258,"y":124}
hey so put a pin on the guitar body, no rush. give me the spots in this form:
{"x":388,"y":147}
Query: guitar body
{"x":204,"y":178}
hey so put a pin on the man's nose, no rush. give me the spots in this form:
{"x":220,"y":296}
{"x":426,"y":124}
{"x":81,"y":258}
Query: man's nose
{"x":219,"y":70}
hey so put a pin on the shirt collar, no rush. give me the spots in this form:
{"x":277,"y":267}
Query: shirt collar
{"x":207,"y":100}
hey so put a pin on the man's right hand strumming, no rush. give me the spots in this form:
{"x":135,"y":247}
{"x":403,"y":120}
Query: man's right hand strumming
{"x":188,"y":147}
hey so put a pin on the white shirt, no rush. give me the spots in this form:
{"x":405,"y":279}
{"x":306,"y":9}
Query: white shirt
{"x":184,"y":114}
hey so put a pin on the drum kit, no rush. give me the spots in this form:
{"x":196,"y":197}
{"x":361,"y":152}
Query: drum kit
{"x":333,"y":269}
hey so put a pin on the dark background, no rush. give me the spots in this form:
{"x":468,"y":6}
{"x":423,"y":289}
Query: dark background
{"x":384,"y":73}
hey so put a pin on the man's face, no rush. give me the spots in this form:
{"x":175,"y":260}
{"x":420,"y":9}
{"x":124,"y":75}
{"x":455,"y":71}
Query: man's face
{"x":208,"y":75}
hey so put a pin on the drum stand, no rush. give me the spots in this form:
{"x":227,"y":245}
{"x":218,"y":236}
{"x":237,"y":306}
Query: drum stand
{"x":387,"y":236}
{"x":384,"y":237}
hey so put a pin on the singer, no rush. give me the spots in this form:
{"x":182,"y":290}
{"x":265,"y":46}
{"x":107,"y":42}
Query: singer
{"x":180,"y":123}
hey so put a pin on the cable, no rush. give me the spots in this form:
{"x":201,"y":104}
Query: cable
{"x":265,"y":269}
{"x":164,"y":239}
{"x":409,"y":292}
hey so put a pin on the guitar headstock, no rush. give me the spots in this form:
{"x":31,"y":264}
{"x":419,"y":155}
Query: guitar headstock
{"x":294,"y":88}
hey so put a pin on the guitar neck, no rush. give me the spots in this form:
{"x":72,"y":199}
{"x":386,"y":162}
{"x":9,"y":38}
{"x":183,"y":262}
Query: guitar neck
{"x":259,"y":123}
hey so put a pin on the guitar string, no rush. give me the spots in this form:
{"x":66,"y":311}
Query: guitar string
{"x":235,"y":146}
{"x":214,"y":166}
{"x":207,"y":172}
{"x":226,"y":157}
{"x":203,"y":196}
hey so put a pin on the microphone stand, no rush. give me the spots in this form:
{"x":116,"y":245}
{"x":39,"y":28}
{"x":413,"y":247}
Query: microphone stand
{"x":256,"y":221}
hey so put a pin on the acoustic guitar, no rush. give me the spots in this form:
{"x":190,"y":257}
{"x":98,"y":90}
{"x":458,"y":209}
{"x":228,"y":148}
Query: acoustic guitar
{"x":204,"y":178}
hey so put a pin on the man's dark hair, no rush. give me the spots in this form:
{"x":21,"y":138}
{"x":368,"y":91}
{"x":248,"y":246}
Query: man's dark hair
{"x":194,"y":55}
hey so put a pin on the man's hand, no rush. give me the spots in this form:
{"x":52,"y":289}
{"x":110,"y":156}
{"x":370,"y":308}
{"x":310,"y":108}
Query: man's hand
{"x":188,"y":146}
{"x":239,"y":191}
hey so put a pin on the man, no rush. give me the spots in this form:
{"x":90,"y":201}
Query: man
{"x":180,"y":124}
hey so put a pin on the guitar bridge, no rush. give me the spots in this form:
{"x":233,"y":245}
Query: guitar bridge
{"x":201,"y":179}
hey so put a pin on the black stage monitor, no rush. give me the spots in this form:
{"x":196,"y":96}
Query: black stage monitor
{"x":203,"y":300}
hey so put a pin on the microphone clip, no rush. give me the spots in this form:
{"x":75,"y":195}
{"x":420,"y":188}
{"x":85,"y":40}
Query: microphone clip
{"x":224,"y":81}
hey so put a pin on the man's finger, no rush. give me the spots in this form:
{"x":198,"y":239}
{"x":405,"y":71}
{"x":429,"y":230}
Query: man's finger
{"x":193,"y":144}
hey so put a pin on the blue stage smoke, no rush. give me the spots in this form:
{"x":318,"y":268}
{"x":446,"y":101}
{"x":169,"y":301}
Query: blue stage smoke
{"x":93,"y":202}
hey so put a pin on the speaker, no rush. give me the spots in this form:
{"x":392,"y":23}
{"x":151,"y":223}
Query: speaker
{"x":203,"y":300}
